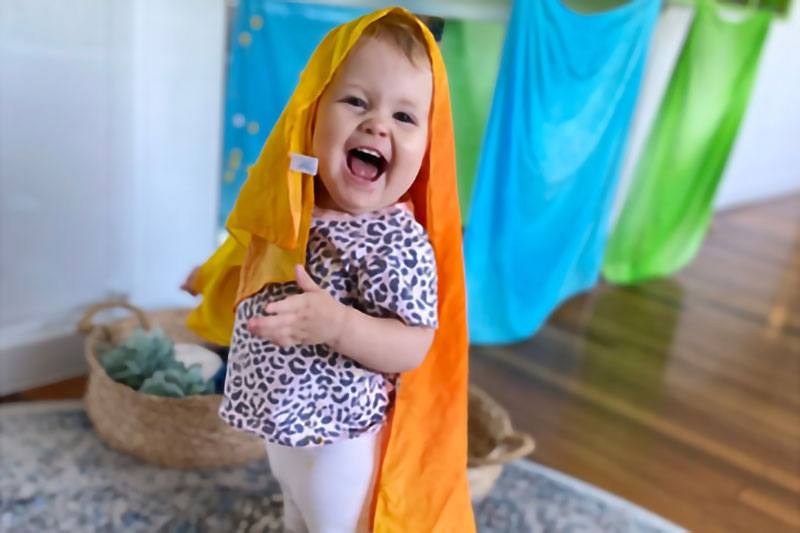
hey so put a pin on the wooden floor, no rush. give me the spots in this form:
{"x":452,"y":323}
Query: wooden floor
{"x":681,"y":395}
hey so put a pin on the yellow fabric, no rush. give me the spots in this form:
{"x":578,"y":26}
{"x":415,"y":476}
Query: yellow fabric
{"x":422,"y":486}
{"x":218,"y":281}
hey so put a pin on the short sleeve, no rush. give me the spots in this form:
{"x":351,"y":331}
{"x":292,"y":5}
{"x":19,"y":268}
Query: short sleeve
{"x":400,"y":281}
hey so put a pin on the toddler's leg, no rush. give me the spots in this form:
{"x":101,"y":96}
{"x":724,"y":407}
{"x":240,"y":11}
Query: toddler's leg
{"x":337,"y":492}
{"x":332,"y":485}
{"x":292,"y":518}
{"x":281,"y":466}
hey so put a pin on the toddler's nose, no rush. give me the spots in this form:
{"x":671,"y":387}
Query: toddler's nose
{"x":374,"y":126}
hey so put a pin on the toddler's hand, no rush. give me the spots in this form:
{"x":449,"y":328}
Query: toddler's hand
{"x":313,"y":317}
{"x":188,"y":285}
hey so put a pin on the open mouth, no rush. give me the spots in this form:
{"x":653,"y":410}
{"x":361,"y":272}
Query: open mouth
{"x":366,"y":163}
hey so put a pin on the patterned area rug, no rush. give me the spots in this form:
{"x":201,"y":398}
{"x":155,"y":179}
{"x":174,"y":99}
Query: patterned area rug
{"x":55,"y":475}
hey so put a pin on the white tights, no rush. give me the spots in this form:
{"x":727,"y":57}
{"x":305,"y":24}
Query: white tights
{"x":327,"y":489}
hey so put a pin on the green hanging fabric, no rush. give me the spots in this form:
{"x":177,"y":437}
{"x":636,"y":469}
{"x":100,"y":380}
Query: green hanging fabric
{"x":669,"y":206}
{"x":471,"y":51}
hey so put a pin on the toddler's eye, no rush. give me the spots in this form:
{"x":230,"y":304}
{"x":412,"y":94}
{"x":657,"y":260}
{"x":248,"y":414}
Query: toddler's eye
{"x":404,"y":117}
{"x":355,"y":101}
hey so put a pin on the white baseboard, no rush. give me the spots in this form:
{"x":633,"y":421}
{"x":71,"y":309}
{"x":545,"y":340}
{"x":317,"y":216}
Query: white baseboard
{"x":41,"y":362}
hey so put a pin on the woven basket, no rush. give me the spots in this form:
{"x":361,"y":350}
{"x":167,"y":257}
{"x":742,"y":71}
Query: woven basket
{"x":182,"y":433}
{"x":188,"y":433}
{"x":492,"y":442}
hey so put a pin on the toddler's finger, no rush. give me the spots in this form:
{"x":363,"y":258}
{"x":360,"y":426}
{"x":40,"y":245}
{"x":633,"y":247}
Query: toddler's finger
{"x":287,"y":305}
{"x":304,"y":281}
{"x":281,"y":321}
{"x":255,"y":327}
{"x":266,"y":327}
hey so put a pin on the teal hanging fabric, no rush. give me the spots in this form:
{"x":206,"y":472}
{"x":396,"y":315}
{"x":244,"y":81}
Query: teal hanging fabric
{"x":270,"y":45}
{"x":550,"y":161}
{"x":669,"y":206}
{"x":471,"y":51}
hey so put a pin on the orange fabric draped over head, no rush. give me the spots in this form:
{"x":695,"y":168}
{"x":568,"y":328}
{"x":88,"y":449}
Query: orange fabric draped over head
{"x":422,"y":487}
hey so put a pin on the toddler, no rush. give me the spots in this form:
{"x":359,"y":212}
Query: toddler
{"x":337,"y":294}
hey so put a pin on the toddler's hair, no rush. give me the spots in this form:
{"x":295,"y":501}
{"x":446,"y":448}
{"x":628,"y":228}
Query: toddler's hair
{"x":404,"y":34}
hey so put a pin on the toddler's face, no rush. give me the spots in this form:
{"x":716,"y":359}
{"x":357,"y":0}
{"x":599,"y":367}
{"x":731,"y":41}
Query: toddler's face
{"x":371,"y":129}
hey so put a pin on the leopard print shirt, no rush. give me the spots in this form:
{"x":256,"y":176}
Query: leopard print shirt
{"x":380,"y":263}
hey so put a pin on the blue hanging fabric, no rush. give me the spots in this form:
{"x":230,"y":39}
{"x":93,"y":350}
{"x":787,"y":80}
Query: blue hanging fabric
{"x":551,"y":160}
{"x":270,"y":45}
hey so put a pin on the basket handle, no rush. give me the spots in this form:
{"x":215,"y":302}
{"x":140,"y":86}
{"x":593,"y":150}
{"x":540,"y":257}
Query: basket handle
{"x":512,"y":446}
{"x":85,"y":324}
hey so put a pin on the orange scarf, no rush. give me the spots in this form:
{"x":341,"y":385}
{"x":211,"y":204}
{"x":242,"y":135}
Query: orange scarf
{"x":422,"y":487}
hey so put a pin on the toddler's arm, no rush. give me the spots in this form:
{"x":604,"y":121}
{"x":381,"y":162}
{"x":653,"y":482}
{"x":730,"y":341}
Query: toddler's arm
{"x":383,"y":344}
{"x":315,"y":317}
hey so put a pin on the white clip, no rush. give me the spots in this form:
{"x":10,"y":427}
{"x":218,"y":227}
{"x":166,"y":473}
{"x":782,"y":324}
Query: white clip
{"x":303,"y":163}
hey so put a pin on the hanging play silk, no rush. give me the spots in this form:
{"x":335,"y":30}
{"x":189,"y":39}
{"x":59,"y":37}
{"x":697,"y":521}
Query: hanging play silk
{"x":550,"y":161}
{"x":471,"y":50}
{"x":270,"y":44}
{"x":669,"y":206}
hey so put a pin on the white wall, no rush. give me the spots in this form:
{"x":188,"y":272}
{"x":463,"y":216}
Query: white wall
{"x":110,"y":119}
{"x":58,"y":196}
{"x":178,"y":99}
{"x":765,"y":161}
